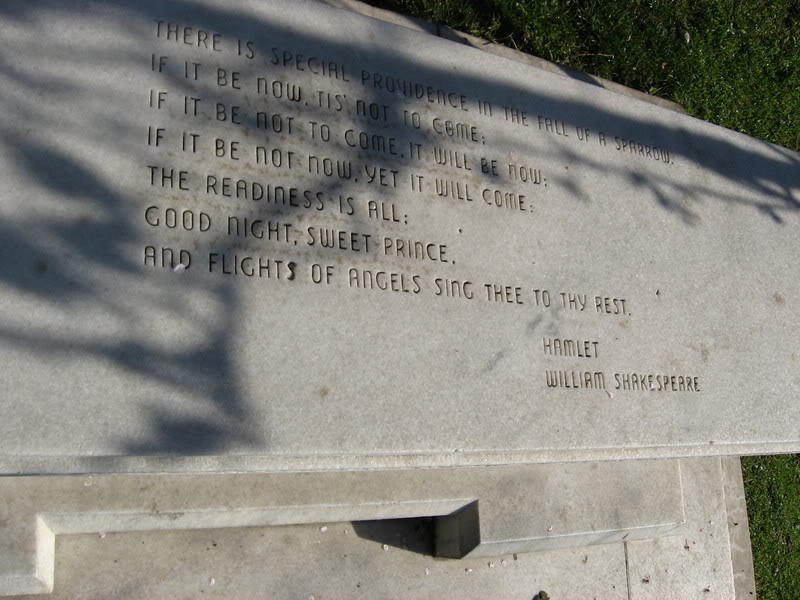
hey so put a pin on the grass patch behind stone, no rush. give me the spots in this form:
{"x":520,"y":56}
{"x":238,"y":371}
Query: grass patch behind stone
{"x":732,"y":62}
{"x":772,"y":484}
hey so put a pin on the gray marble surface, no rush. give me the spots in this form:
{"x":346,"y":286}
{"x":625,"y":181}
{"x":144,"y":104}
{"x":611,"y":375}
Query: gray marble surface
{"x":275,"y":350}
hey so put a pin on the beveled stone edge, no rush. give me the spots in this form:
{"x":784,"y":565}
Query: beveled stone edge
{"x":49,"y":525}
{"x":11,"y":465}
{"x":738,"y":528}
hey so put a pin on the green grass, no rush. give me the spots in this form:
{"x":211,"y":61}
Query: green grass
{"x":732,"y":62}
{"x":773,"y":507}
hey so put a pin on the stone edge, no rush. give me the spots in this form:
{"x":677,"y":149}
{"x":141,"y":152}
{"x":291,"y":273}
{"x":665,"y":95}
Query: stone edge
{"x":454,"y":35}
{"x":738,"y":528}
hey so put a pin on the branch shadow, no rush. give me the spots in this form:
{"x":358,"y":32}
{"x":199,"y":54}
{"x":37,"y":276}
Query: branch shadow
{"x":71,"y":231}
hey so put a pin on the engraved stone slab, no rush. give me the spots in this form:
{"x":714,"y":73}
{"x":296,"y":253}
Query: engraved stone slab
{"x":286,"y":236}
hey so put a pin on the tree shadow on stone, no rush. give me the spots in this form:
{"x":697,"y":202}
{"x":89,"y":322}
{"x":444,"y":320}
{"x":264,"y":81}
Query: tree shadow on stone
{"x":75,"y":228}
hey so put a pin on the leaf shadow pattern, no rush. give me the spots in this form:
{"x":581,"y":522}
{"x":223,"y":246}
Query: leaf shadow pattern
{"x":70,"y":227}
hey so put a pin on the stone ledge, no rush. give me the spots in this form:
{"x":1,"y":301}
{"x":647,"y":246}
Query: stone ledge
{"x":509,"y":509}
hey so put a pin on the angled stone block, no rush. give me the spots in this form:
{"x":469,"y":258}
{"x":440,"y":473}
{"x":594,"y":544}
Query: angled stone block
{"x":395,"y":559}
{"x":511,"y":509}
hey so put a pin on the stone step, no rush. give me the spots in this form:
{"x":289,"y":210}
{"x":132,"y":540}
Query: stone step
{"x":395,"y":559}
{"x":480,"y":511}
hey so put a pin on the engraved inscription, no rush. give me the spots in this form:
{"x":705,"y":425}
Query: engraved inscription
{"x":282,"y":166}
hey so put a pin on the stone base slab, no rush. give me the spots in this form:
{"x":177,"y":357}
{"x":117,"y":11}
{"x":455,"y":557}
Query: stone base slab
{"x":481,"y":511}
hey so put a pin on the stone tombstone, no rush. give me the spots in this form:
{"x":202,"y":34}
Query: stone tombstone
{"x":279,"y":235}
